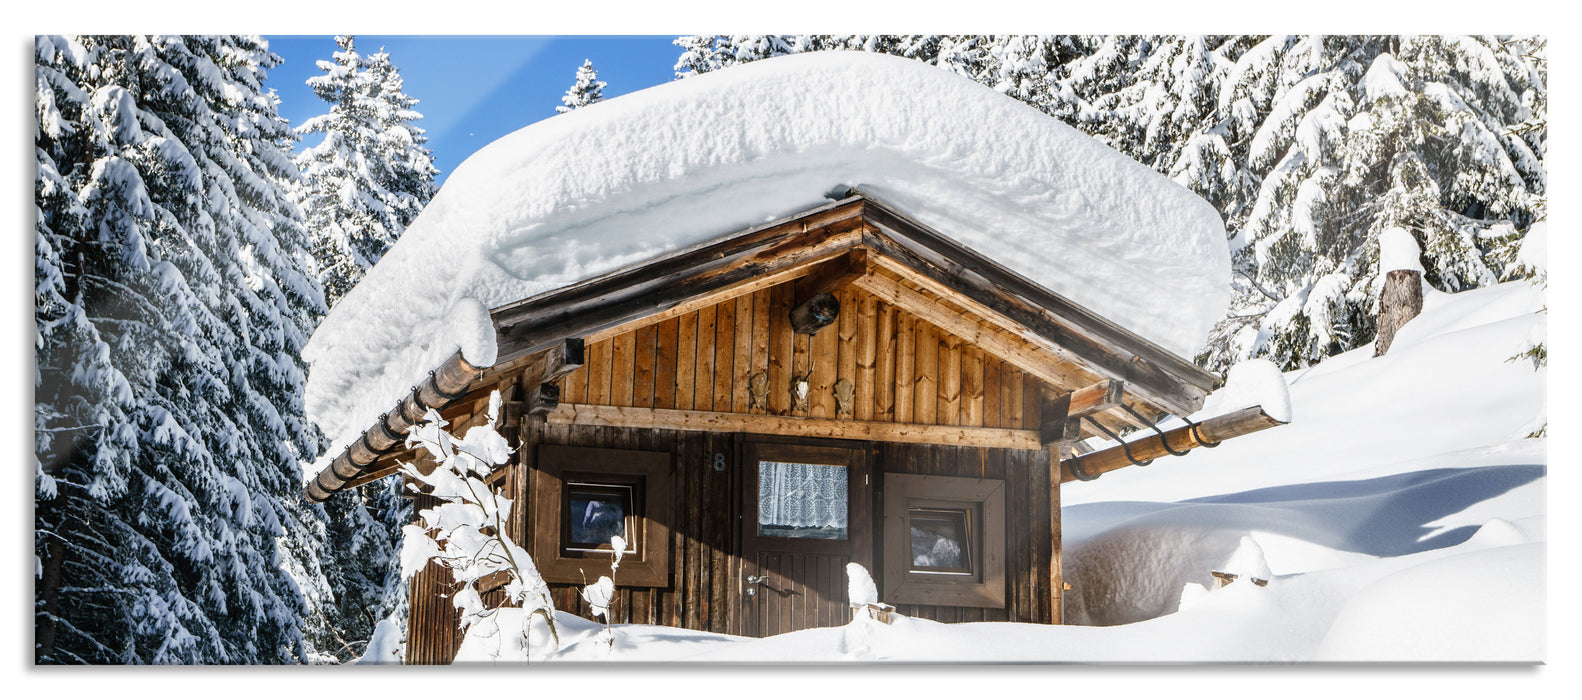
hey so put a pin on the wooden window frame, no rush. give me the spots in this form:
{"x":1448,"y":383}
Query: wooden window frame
{"x":649,"y":476}
{"x":984,"y":586}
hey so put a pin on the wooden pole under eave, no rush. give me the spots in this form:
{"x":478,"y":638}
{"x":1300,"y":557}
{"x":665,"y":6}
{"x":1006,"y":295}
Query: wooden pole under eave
{"x":1057,"y":577}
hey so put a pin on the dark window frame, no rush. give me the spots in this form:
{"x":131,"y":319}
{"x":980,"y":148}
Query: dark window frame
{"x":647,"y":474}
{"x":981,"y":587}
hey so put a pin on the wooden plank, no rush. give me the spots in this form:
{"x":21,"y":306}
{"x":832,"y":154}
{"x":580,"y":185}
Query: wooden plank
{"x":599,"y":372}
{"x":665,"y":362}
{"x":686,"y":361}
{"x":949,"y":409}
{"x":782,"y":350}
{"x":867,"y":316}
{"x":703,"y":392}
{"x":1014,"y":381}
{"x":991,"y":391}
{"x":1056,"y":578}
{"x":742,"y":353}
{"x":1042,"y":361}
{"x":884,"y":355}
{"x":925,"y":389}
{"x":644,"y":359}
{"x":760,"y":330}
{"x":971,"y":386}
{"x":905,"y":366}
{"x":722,"y":422}
{"x":622,"y":366}
{"x":1235,"y":424}
{"x":724,"y":353}
{"x":846,"y":349}
{"x":824,"y":354}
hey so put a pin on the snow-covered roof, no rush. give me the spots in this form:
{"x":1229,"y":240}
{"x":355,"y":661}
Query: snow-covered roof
{"x":628,"y":179}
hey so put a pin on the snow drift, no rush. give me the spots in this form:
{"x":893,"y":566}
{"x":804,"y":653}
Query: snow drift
{"x":629,"y":179}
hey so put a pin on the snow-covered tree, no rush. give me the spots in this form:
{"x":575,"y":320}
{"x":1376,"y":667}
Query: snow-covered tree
{"x":587,"y":90}
{"x":173,"y":293}
{"x":371,"y":175}
{"x":1309,"y":147}
{"x":466,"y":533}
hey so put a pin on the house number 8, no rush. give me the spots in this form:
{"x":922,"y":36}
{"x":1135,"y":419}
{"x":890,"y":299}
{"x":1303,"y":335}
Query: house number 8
{"x":719,"y":461}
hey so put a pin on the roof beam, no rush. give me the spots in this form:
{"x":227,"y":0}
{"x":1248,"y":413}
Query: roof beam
{"x":1212,"y":432}
{"x":713,"y":421}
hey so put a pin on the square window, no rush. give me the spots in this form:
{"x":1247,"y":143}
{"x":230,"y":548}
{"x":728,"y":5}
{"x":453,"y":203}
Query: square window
{"x":582,"y":496}
{"x":597,"y":512}
{"x":944,"y":541}
{"x":941,"y":540}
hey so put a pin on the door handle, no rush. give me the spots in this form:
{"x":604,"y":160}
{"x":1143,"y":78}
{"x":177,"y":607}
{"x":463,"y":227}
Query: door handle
{"x":752,"y":584}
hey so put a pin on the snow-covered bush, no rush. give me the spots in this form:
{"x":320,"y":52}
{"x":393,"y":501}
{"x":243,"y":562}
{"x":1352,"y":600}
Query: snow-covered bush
{"x":466,"y":532}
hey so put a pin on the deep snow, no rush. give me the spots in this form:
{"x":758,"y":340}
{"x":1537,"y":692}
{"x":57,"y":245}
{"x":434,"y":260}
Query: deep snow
{"x":628,"y":179}
{"x":1401,"y":516}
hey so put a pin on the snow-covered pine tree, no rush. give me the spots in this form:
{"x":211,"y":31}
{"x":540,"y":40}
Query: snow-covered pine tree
{"x":1309,"y":147}
{"x":1357,"y":135}
{"x":360,"y":188}
{"x":371,"y":175}
{"x":174,"y":291}
{"x":587,"y":89}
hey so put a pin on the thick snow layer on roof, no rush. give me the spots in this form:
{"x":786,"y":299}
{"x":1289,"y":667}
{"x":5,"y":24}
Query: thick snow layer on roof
{"x":628,"y":179}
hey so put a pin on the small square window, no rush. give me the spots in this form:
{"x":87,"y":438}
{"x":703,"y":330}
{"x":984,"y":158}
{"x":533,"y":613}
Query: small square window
{"x":597,"y":512}
{"x":944,"y":540}
{"x":583,"y":496}
{"x":941,"y":540}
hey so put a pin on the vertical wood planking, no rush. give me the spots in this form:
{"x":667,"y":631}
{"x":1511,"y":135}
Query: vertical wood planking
{"x":761,"y":306}
{"x":782,"y":350}
{"x":742,"y":356}
{"x":925,"y":389}
{"x":665,"y":363}
{"x":905,"y":366}
{"x":686,"y":361}
{"x":949,"y":410}
{"x":846,"y":350}
{"x":703,"y":393}
{"x":824,"y":353}
{"x":971,"y":386}
{"x":574,"y":386}
{"x":644,"y":357}
{"x":991,"y":392}
{"x":867,"y":318}
{"x":1011,"y":379}
{"x":724,"y":353}
{"x":885,"y":349}
{"x":622,"y":366}
{"x":598,"y":356}
{"x":800,"y":365}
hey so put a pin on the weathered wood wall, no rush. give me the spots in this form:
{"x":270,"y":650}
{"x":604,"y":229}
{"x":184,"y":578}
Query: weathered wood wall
{"x":901,"y":368}
{"x":1027,"y":523}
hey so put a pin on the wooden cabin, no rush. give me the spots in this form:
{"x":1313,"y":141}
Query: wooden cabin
{"x":842,"y":385}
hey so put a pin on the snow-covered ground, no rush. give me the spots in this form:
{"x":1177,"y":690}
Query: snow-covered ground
{"x":1401,"y":516}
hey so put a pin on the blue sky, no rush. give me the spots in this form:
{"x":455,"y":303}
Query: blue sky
{"x":475,"y":89}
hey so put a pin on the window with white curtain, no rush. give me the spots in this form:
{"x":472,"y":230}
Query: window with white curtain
{"x":802,"y":500}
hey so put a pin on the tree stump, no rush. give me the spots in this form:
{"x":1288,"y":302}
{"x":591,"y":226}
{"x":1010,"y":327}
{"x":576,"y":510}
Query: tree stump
{"x":1401,"y":301}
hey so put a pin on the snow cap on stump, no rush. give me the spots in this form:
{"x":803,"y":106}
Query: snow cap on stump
{"x":1398,"y":250}
{"x":632,"y":178}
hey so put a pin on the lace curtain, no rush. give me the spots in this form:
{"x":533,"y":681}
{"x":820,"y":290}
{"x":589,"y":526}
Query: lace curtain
{"x":801,"y":495}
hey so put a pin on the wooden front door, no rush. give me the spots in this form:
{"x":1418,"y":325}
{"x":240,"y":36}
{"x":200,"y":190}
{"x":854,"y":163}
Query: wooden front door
{"x":806,"y":513}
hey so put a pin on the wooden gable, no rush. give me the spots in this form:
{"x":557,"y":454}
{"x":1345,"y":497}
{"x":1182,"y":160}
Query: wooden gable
{"x":935,"y":344}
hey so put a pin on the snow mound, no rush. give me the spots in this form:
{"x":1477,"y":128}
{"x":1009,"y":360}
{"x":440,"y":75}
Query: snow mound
{"x":628,"y":179}
{"x":1398,"y":251}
